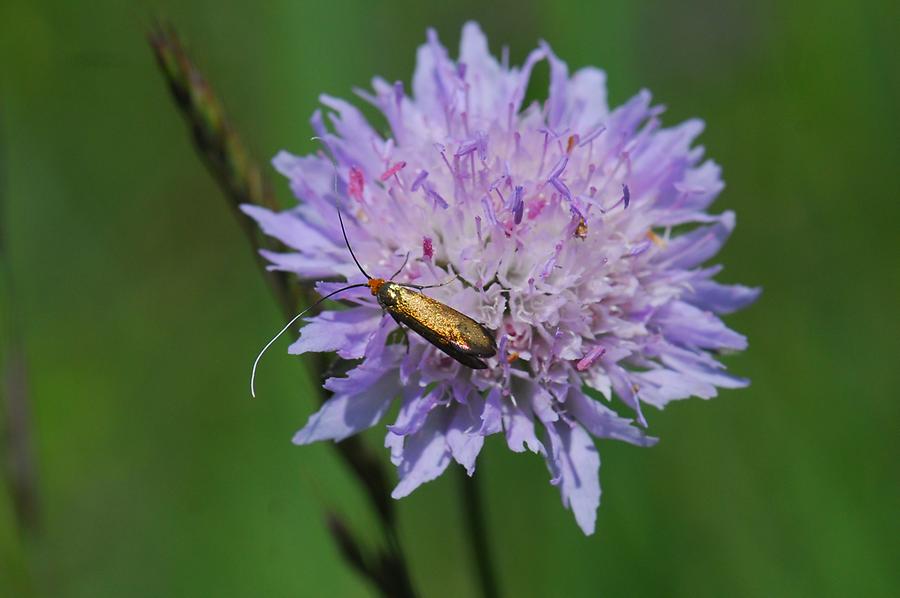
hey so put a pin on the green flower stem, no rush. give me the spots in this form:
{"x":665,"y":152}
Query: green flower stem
{"x":473,"y":514}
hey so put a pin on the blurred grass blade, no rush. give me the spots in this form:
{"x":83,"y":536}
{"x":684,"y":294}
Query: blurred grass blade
{"x":379,"y":567}
{"x":476,"y":529}
{"x":19,"y":467}
{"x":220,"y":146}
{"x":243,"y":182}
{"x":19,"y":504}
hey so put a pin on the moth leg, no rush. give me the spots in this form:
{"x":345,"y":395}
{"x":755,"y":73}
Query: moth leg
{"x":402,"y":328}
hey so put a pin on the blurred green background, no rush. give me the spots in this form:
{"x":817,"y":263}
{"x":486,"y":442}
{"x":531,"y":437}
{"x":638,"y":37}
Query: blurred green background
{"x":141,"y":309}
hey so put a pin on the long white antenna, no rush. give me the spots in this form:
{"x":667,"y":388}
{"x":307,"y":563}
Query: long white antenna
{"x":288,"y":325}
{"x":298,"y":316}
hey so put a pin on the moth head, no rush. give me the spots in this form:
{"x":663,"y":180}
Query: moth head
{"x":375,"y":285}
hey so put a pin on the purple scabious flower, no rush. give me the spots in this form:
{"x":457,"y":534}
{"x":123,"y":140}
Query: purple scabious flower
{"x":557,"y":223}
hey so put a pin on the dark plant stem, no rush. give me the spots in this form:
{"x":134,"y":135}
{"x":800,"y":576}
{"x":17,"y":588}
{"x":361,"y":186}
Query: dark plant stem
{"x":220,"y":148}
{"x":473,"y":513}
{"x":19,"y":467}
{"x":242,"y":182}
{"x":378,"y":569}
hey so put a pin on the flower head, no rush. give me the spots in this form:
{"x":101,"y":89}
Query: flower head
{"x":554,"y":224}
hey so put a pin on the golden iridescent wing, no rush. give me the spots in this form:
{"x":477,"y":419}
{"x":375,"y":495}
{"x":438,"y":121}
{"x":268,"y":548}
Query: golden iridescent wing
{"x":454,"y":333}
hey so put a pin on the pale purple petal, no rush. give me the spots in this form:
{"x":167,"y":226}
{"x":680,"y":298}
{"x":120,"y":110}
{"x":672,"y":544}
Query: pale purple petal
{"x":433,"y":83}
{"x":487,"y":85}
{"x":302,"y":265}
{"x":463,"y":437}
{"x":542,"y":404}
{"x":626,"y":389}
{"x":360,"y":401}
{"x":290,"y":229}
{"x":603,"y":422}
{"x":519,"y":426}
{"x":491,"y":417}
{"x":587,"y":101}
{"x":700,"y":366}
{"x":720,"y":298}
{"x":556,"y":102}
{"x":425,"y":456}
{"x":693,"y":248}
{"x":346,"y":331}
{"x":659,"y":386}
{"x":574,"y":464}
{"x":687,"y":325}
{"x":346,"y":414}
{"x":369,"y":372}
{"x":414,"y":413}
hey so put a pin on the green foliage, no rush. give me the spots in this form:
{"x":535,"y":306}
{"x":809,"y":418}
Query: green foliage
{"x":142,"y":310}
